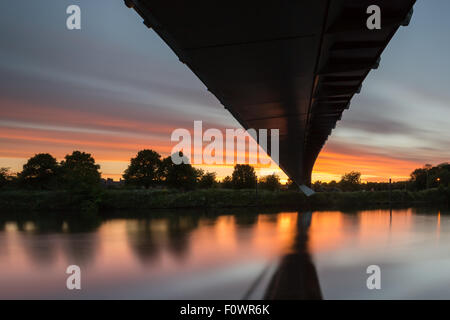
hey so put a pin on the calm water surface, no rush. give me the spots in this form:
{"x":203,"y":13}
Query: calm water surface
{"x":179,"y":255}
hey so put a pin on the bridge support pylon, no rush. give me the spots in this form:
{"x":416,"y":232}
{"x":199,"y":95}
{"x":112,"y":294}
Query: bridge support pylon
{"x":306,"y":190}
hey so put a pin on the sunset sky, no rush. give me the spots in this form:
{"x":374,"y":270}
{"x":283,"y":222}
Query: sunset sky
{"x":114,"y":88}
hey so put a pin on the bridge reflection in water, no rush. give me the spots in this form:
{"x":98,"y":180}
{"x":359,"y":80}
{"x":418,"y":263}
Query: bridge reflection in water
{"x":296,"y":276}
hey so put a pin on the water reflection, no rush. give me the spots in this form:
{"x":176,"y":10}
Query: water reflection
{"x":40,"y":240}
{"x":178,"y":232}
{"x":143,"y":238}
{"x":296,"y":276}
{"x":230,"y":254}
{"x":172,"y":232}
{"x":148,"y":236}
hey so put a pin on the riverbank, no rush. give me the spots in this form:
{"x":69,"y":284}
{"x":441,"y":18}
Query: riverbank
{"x":125,"y":199}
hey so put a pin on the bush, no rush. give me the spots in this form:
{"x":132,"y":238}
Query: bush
{"x":270,"y":182}
{"x":243,"y":177}
{"x":207,"y":181}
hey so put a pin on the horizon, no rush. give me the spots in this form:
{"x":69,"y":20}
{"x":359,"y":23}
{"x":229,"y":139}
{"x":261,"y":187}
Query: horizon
{"x":258,"y":169}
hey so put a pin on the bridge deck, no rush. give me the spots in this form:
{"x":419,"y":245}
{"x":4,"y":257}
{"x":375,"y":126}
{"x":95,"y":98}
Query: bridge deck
{"x":288,"y":65}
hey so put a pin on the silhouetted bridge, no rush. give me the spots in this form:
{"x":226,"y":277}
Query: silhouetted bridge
{"x":287,"y":65}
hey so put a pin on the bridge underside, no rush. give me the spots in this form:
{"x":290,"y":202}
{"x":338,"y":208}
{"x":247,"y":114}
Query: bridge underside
{"x":287,"y":65}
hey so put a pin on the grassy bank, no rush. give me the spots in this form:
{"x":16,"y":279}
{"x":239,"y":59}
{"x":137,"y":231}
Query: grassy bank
{"x":123,"y":199}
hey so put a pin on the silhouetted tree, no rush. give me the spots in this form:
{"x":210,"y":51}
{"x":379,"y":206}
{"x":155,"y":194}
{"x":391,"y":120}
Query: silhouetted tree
{"x":419,"y":178}
{"x":4,"y":177}
{"x":207,"y":180}
{"x":443,"y":174}
{"x":351,"y":181}
{"x":144,"y":170}
{"x":163,"y":170}
{"x":270,"y":182}
{"x":40,"y":172}
{"x":319,"y":186}
{"x":431,"y":177}
{"x":80,"y":172}
{"x":227,"y":182}
{"x":180,"y":176}
{"x":331,"y":186}
{"x":244,"y":176}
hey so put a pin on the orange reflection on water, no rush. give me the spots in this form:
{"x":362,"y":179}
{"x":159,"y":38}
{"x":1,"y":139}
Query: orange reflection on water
{"x":181,"y":250}
{"x":332,"y":229}
{"x":231,"y":238}
{"x":225,"y":234}
{"x":326,"y":230}
{"x":286,"y":229}
{"x":274,"y":234}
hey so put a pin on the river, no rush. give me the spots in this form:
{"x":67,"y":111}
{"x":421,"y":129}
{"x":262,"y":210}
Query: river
{"x":229,"y":255}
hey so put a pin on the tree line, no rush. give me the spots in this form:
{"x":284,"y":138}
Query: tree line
{"x":149,"y":169}
{"x":420,"y":179}
{"x":78,"y":171}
